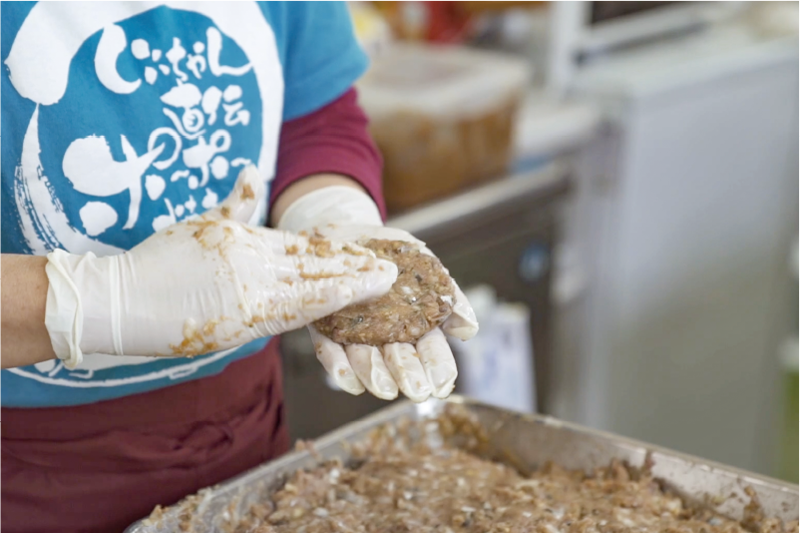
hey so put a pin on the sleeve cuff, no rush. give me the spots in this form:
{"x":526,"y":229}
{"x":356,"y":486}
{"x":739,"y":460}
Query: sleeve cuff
{"x":332,"y":140}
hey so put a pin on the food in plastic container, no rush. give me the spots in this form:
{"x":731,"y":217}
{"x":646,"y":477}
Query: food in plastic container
{"x":442,"y":117}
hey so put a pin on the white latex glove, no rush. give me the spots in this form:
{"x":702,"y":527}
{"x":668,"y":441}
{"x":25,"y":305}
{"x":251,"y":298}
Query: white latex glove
{"x":204,"y":285}
{"x":419,"y":371}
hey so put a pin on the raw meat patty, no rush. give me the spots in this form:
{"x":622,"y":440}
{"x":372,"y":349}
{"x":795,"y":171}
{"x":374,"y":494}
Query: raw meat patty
{"x":420,"y":300}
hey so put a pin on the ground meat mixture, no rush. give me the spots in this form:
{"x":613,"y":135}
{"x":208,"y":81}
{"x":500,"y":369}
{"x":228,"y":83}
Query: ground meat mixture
{"x":420,"y":300}
{"x":396,"y":487}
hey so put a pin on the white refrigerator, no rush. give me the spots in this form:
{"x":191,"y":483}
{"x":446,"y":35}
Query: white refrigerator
{"x":684,"y":210}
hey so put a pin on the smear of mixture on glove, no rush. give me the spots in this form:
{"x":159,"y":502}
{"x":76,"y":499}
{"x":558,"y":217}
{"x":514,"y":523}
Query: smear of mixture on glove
{"x":420,"y":300}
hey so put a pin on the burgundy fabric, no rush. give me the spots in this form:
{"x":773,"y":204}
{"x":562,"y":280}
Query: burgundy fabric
{"x":102,"y":466}
{"x":333,"y":139}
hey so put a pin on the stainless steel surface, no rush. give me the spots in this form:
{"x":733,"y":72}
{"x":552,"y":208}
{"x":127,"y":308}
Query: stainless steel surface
{"x":482,"y":236}
{"x":531,"y":440}
{"x":482,"y":201}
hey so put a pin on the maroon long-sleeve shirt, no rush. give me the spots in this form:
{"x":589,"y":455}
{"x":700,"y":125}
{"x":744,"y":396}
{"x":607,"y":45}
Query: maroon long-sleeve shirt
{"x":334,"y":140}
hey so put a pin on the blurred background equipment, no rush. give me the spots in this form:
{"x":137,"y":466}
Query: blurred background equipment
{"x":788,"y":466}
{"x":789,"y":354}
{"x":581,"y":32}
{"x":774,"y":18}
{"x":373,"y":32}
{"x":441,"y":22}
{"x":691,"y":204}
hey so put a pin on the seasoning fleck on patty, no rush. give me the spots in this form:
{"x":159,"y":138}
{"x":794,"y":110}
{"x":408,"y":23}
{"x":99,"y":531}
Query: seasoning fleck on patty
{"x":420,"y":300}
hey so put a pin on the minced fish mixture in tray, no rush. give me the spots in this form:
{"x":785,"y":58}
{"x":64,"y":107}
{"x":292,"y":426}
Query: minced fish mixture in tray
{"x":395,"y":484}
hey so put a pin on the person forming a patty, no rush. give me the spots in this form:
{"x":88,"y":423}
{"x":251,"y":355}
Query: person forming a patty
{"x":168,"y":174}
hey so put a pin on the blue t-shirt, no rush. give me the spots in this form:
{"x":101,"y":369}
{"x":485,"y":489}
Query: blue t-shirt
{"x":119,"y":119}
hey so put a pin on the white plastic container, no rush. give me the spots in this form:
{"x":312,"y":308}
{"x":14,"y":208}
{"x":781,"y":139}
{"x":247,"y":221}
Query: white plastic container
{"x":496,"y":366}
{"x":442,"y":116}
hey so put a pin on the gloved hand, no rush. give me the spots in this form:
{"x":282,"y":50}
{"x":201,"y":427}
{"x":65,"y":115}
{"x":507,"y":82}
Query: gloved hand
{"x":204,"y":285}
{"x":419,"y":371}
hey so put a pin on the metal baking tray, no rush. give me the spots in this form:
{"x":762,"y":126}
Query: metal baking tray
{"x":529,"y":440}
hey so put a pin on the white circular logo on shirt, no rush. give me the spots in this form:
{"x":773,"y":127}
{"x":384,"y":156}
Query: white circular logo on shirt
{"x":195,"y":107}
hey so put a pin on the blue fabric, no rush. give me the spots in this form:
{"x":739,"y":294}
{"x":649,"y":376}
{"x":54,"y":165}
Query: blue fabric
{"x":125,"y":118}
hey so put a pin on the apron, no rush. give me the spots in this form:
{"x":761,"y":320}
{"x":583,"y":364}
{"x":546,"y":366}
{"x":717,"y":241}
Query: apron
{"x":100,"y":467}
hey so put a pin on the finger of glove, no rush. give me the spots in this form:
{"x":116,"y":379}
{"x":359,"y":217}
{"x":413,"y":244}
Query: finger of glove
{"x":368,"y":364}
{"x":335,"y":362}
{"x":462,"y":323}
{"x":403,"y":362}
{"x":438,"y":361}
{"x":243,"y":200}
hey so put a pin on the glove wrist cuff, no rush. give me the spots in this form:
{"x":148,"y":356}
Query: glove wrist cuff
{"x":82,"y":313}
{"x":63,"y":315}
{"x":337,"y":204}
